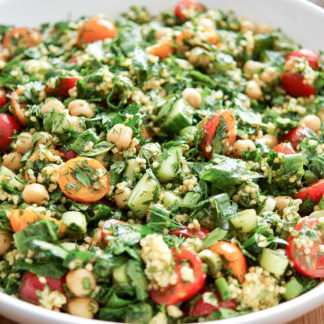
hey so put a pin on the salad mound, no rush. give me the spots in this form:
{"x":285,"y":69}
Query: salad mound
{"x":160,"y":169}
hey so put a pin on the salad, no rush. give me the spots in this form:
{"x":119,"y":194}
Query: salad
{"x":160,"y":169}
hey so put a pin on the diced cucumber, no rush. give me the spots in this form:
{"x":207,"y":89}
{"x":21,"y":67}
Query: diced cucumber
{"x":120,"y":275}
{"x":190,"y":200}
{"x":130,"y":169}
{"x":213,"y":261}
{"x":188,"y":133}
{"x":293,"y":289}
{"x":178,"y":117}
{"x":139,"y":313}
{"x":142,"y":195}
{"x":75,"y":222}
{"x":169,"y":164}
{"x":245,"y":221}
{"x":8,"y":177}
{"x":274,"y":261}
{"x":169,"y":199}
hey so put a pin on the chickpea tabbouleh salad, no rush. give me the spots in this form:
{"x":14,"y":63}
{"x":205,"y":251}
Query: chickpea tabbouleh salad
{"x":160,"y":169}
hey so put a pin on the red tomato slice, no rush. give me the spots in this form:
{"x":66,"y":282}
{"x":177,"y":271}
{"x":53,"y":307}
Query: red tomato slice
{"x":294,"y":85}
{"x":314,"y":192}
{"x":70,"y":154}
{"x":296,"y":136}
{"x":209,"y":126}
{"x":182,"y":291}
{"x":3,"y":98}
{"x":311,"y":56}
{"x":186,"y":232}
{"x":310,"y":263}
{"x":63,"y":87}
{"x":31,"y":283}
{"x":200,"y":308}
{"x":107,"y":229}
{"x":184,"y":5}
{"x":8,"y":128}
{"x":284,"y":148}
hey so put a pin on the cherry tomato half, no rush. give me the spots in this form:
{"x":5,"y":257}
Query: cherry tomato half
{"x":182,"y":291}
{"x":314,"y":192}
{"x":186,"y":232}
{"x":297,"y":135}
{"x":284,"y":148}
{"x":200,"y":308}
{"x":31,"y":283}
{"x":107,"y":228}
{"x":184,"y":5}
{"x":21,"y":37}
{"x":8,"y":127}
{"x":307,"y":260}
{"x":294,"y":85}
{"x":209,"y":127}
{"x":95,"y":29}
{"x":311,"y":56}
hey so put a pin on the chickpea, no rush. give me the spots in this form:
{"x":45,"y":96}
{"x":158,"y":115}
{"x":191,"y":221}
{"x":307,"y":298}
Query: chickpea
{"x":5,"y":240}
{"x":83,"y":307}
{"x":52,"y":105}
{"x":24,"y":142}
{"x":81,"y":282}
{"x":253,"y":90}
{"x":270,"y":140}
{"x":207,"y":24}
{"x":80,"y":108}
{"x":96,"y":239}
{"x":121,"y":135}
{"x":312,"y":122}
{"x":75,"y":123}
{"x":121,"y":196}
{"x":252,"y":67}
{"x":35,"y":193}
{"x":282,"y":202}
{"x":264,"y":29}
{"x":192,"y":96}
{"x":241,"y":146}
{"x":269,"y":75}
{"x":321,"y":114}
{"x":163,"y":32}
{"x":247,"y":25}
{"x":47,"y":140}
{"x":12,"y":161}
{"x":197,"y":57}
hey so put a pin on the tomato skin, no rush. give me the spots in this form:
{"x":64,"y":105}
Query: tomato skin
{"x":187,"y":4}
{"x":200,"y":308}
{"x":3,"y":98}
{"x":8,"y":127}
{"x":311,"y":56}
{"x":209,"y":127}
{"x":31,"y":283}
{"x":313,"y":266}
{"x":284,"y":148}
{"x":70,"y":154}
{"x":295,"y":136}
{"x":314,"y":192}
{"x":107,"y":225}
{"x":181,"y":291}
{"x":294,"y":85}
{"x":186,"y":232}
{"x":95,"y":29}
{"x":65,"y":84}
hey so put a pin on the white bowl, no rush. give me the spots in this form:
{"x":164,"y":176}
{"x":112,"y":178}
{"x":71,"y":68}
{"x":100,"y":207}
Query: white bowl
{"x":299,"y":19}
